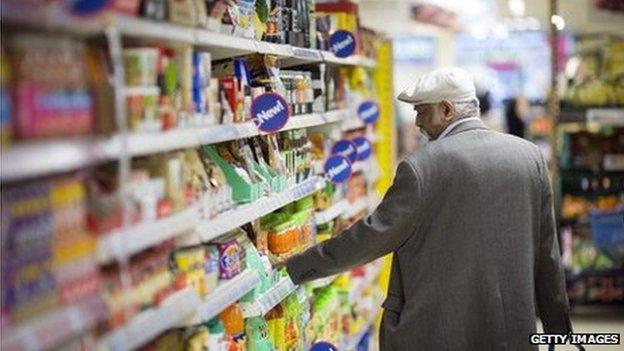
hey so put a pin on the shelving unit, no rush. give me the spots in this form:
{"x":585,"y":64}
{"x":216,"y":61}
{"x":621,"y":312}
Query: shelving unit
{"x":229,"y":220}
{"x":276,"y":294}
{"x":184,"y":308}
{"x":223,"y":296}
{"x":33,"y":159}
{"x":333,"y":212}
{"x":148,"y":324}
{"x":55,"y":326}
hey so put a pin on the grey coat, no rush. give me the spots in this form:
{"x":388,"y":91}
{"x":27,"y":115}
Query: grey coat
{"x":470,"y":221}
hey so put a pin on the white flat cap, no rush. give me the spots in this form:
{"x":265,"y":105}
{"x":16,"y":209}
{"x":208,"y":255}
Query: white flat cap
{"x":450,"y":83}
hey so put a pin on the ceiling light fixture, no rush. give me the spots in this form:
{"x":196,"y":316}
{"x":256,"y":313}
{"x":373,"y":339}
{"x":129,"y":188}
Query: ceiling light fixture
{"x":517,"y":7}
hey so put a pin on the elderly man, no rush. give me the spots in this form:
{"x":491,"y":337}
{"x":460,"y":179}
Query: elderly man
{"x":469,"y":219}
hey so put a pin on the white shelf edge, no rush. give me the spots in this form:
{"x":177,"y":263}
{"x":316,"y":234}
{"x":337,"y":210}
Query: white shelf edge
{"x":223,"y":296}
{"x":271,"y":298}
{"x":352,"y":124}
{"x":26,"y":159}
{"x":148,"y":324}
{"x":323,"y":282}
{"x":64,"y":321}
{"x":227,"y":221}
{"x":144,"y":235}
{"x":331,"y":213}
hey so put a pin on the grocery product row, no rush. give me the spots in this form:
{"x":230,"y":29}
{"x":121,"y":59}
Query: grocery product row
{"x":159,"y":157}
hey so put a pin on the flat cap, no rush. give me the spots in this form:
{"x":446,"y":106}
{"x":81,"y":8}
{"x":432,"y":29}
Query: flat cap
{"x":450,"y":83}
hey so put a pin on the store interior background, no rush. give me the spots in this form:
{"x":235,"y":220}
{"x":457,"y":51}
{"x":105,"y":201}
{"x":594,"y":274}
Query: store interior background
{"x":503,"y":43}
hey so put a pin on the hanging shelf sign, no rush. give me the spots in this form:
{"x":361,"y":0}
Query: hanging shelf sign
{"x":368,"y":111}
{"x":337,"y":169}
{"x":323,"y":346}
{"x":347,"y":149}
{"x":342,"y":43}
{"x":270,"y":112}
{"x":364,"y":148}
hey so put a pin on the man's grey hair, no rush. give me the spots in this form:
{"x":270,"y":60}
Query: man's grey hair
{"x":467,"y":108}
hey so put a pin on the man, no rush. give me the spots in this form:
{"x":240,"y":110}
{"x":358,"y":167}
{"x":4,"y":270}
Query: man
{"x":469,"y":219}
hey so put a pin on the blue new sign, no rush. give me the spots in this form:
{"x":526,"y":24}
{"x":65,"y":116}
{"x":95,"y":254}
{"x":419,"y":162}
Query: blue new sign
{"x":368,"y":111}
{"x":323,"y":346}
{"x":364,"y":148}
{"x":270,"y":112}
{"x":342,"y":43}
{"x":347,"y":149}
{"x":337,"y":169}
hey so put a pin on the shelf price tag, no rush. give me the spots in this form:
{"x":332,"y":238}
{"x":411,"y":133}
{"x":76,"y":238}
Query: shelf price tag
{"x":270,"y":112}
{"x":368,"y":111}
{"x":337,"y":169}
{"x":364,"y":148}
{"x":346,"y":148}
{"x":342,"y":43}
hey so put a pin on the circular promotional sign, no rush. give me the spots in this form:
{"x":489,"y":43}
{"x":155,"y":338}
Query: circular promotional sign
{"x":342,"y":43}
{"x":323,"y":346}
{"x":337,"y":169}
{"x":368,"y":111}
{"x":270,"y":112}
{"x":347,"y":149}
{"x":364,"y":148}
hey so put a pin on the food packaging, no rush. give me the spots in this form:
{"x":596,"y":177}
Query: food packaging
{"x":141,"y":66}
{"x":142,"y":108}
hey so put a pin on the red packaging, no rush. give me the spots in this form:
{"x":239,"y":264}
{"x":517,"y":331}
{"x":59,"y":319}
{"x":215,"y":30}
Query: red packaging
{"x":130,"y":7}
{"x":230,"y":86}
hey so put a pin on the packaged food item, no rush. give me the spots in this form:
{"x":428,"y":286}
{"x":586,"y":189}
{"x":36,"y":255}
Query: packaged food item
{"x":229,"y":257}
{"x":216,"y":335}
{"x":182,"y":12}
{"x":257,"y":332}
{"x":142,"y":108}
{"x":233,"y":322}
{"x":190,"y":266}
{"x":211,"y":268}
{"x":154,"y":9}
{"x":141,"y":66}
{"x":51,"y":94}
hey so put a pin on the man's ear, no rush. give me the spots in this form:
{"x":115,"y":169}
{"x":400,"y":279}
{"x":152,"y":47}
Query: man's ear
{"x":448,"y":109}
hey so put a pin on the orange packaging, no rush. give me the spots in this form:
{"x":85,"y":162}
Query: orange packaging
{"x":284,"y":241}
{"x":232,"y":318}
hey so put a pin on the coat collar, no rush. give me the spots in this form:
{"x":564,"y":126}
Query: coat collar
{"x":465,"y":126}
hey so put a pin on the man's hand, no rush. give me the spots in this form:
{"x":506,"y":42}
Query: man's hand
{"x":279,"y":264}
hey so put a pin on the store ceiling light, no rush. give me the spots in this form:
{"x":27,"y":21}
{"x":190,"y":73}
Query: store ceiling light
{"x":558,"y":21}
{"x":517,"y":7}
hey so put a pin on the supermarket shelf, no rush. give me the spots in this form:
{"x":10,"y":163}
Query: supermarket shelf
{"x":230,"y":220}
{"x":323,"y":282}
{"x":599,"y":116}
{"x":352,"y":124}
{"x":36,"y":158}
{"x":276,"y":294}
{"x":223,"y":296}
{"x":32,"y":159}
{"x":349,"y":61}
{"x":333,"y":212}
{"x":139,"y":237}
{"x":47,"y":331}
{"x":150,"y":323}
{"x":222,"y":45}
